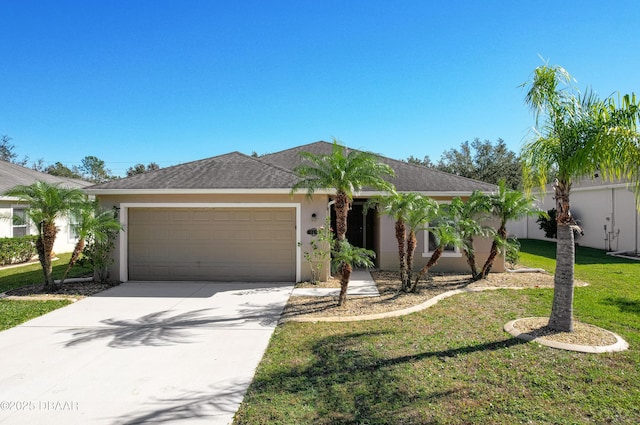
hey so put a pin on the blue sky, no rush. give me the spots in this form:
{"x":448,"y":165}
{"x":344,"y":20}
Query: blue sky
{"x":174,"y":81}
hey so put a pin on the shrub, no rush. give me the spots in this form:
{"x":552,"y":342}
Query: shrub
{"x":548,"y":224}
{"x":17,"y":250}
{"x":512,"y":251}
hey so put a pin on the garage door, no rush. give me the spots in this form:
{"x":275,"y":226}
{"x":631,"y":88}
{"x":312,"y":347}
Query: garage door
{"x":216,"y":244}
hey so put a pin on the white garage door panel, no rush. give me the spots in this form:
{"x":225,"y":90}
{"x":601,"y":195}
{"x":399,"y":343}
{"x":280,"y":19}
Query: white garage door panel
{"x":217,"y":244}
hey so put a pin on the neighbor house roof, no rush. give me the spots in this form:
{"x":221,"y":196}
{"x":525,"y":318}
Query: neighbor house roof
{"x":274,"y":172}
{"x":12,"y":175}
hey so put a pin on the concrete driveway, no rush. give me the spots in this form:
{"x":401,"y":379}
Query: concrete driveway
{"x":142,"y":352}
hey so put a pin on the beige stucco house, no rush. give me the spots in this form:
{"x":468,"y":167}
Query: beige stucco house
{"x":605,"y":210}
{"x":13,"y":212}
{"x":232,"y":218}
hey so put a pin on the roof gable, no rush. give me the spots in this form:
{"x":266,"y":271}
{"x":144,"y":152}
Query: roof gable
{"x":408,"y":178}
{"x":274,"y":172}
{"x":230,"y":171}
{"x":12,"y":175}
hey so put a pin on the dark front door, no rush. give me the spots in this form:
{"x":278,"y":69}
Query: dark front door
{"x":360,"y":226}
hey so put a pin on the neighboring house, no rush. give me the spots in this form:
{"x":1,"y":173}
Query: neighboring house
{"x":13,"y":221}
{"x":606,"y":211}
{"x":232,"y":218}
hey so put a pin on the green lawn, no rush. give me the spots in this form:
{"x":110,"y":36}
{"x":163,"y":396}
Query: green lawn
{"x":16,"y":277}
{"x":454,"y":364}
{"x":13,"y":312}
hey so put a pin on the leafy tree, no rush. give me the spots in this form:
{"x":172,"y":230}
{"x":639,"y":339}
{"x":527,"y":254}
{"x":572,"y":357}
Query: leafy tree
{"x":425,"y":162}
{"x":578,"y":134}
{"x":47,"y":202}
{"x":94,"y":223}
{"x":140,"y":169}
{"x":345,"y":171}
{"x":479,"y":160}
{"x":93,"y":169}
{"x":506,"y":205}
{"x":61,"y":170}
{"x":7,"y":151}
{"x":344,"y":259}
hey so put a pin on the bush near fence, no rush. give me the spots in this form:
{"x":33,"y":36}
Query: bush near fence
{"x":17,"y":250}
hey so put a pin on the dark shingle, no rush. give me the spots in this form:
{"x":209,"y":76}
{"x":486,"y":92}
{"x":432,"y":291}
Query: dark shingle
{"x":409,"y":177}
{"x":230,"y":171}
{"x":274,"y":171}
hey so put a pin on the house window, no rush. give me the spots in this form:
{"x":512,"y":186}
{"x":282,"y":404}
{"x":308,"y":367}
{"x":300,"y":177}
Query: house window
{"x":20,"y":222}
{"x":74,"y":222}
{"x":430,"y":246}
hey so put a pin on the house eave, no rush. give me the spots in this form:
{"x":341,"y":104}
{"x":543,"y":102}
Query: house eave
{"x":197,"y":192}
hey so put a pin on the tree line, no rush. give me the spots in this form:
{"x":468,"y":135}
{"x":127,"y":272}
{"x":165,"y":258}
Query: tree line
{"x":479,"y":160}
{"x":91,"y":168}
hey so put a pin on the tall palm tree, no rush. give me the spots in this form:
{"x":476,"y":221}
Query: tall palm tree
{"x":344,"y":259}
{"x":47,"y":202}
{"x":94,"y":223}
{"x":578,"y":134}
{"x":346,"y":171}
{"x":468,"y":216}
{"x":398,"y":206}
{"x":507,"y":205}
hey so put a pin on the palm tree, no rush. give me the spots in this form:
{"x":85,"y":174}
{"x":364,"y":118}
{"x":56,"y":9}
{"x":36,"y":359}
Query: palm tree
{"x":47,"y":202}
{"x":94,"y":223}
{"x":346,"y":171}
{"x":578,"y":134}
{"x":424,"y":210}
{"x":344,"y":259}
{"x":467,"y":216}
{"x":445,"y":233}
{"x":506,"y":205}
{"x":398,"y":206}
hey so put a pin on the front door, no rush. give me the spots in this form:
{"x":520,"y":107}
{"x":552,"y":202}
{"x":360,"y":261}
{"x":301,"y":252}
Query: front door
{"x":360,"y":225}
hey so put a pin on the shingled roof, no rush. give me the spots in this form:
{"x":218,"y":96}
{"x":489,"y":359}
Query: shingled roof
{"x":230,"y":171}
{"x":274,"y":171}
{"x":409,"y":177}
{"x":12,"y":175}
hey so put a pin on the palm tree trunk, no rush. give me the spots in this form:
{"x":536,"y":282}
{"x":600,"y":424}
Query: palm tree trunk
{"x":342,"y":210}
{"x":471,"y":259}
{"x":48,"y":237}
{"x":562,"y":308}
{"x":402,"y":256}
{"x":411,"y":249}
{"x":502,"y":234}
{"x":345,"y":275}
{"x":74,"y":258}
{"x":432,"y":261}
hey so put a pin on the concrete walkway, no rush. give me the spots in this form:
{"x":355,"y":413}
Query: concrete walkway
{"x":145,"y":352}
{"x":361,"y":284}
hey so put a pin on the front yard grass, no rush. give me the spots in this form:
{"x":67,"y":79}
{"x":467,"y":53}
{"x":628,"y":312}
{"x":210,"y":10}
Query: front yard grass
{"x":29,"y":274}
{"x":454,"y":364}
{"x":14,"y":312}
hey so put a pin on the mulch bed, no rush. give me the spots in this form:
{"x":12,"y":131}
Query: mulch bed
{"x":67,"y":289}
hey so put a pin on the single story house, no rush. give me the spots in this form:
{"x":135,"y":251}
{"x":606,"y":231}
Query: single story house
{"x":13,"y":221}
{"x":232,"y":218}
{"x":605,"y":210}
